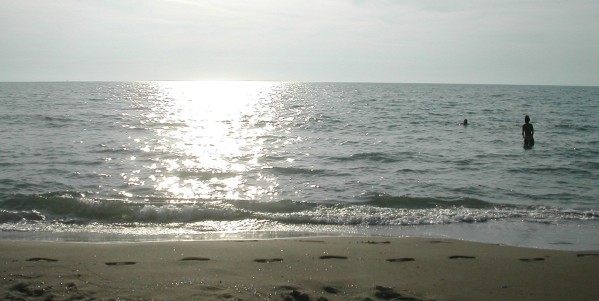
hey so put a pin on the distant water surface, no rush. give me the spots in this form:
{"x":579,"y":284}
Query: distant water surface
{"x":193,"y":159}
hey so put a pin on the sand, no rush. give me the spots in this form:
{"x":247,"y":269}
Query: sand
{"x":338,"y":268}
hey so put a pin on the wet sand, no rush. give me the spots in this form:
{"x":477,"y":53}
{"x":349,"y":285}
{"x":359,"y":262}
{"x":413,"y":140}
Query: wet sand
{"x":339,"y":268}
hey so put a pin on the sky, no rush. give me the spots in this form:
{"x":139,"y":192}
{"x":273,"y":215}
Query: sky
{"x":545,"y":42}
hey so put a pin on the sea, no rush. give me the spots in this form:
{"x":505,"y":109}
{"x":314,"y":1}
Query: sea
{"x":207,"y":160}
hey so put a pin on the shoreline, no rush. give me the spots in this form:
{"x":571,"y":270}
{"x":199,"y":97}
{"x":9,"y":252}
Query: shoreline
{"x":304,"y":268}
{"x":564,"y":236}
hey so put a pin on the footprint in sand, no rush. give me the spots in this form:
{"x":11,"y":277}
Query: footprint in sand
{"x":403,"y":259}
{"x":268,"y":260}
{"x":297,"y":295}
{"x":332,"y":257}
{"x":120,"y":263}
{"x":287,"y":288}
{"x":194,"y":259}
{"x":532,"y":259}
{"x":461,"y":257}
{"x":42,"y":259}
{"x":376,"y":242}
{"x":387,"y":293}
{"x":587,"y":254}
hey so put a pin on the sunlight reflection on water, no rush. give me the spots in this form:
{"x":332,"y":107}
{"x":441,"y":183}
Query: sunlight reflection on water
{"x":213,"y":132}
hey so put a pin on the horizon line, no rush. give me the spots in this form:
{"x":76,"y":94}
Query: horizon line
{"x":294,"y":81}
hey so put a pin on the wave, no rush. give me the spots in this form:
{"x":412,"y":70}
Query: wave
{"x":297,"y":170}
{"x":369,"y":156}
{"x":68,"y":207}
{"x":409,"y":202}
{"x":19,"y":216}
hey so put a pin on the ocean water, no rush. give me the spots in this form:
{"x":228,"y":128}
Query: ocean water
{"x":208,"y":160}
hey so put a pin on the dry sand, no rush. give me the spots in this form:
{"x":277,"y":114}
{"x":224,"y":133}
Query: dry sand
{"x":341,"y":268}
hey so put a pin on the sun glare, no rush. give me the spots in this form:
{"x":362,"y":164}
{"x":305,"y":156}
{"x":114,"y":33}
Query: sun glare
{"x":212,"y":133}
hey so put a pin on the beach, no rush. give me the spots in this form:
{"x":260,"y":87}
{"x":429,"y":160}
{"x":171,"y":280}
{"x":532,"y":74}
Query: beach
{"x":313,"y":268}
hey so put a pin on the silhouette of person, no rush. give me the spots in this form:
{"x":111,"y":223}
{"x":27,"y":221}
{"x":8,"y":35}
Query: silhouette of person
{"x":528,"y":132}
{"x":465,"y":122}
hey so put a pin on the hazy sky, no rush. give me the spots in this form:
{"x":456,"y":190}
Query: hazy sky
{"x":443,"y":41}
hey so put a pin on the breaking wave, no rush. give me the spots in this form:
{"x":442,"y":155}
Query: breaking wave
{"x":74,"y":208}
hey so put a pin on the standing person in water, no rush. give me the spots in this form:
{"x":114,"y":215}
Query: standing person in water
{"x":528,"y":132}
